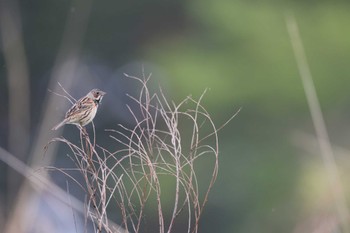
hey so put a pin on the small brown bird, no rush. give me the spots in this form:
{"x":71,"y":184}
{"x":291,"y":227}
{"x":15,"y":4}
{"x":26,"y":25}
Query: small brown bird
{"x":84,"y":110}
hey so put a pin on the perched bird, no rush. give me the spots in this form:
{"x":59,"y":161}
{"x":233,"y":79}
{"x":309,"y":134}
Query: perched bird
{"x":84,"y":110}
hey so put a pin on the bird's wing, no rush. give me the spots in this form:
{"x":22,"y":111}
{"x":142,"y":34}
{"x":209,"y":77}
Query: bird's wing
{"x":80,"y":106}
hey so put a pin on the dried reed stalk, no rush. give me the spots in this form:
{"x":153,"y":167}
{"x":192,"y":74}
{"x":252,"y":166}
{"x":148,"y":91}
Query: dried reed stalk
{"x":164,"y":146}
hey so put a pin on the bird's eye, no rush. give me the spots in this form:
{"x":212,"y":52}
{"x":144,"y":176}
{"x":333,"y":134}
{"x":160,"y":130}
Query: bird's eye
{"x":98,"y":93}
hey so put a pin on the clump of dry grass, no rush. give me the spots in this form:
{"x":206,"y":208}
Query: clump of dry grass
{"x":159,"y":154}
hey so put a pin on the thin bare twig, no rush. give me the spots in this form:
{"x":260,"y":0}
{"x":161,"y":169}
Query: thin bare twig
{"x":319,"y":124}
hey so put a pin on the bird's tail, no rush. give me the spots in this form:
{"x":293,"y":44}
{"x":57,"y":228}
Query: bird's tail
{"x":59,"y":125}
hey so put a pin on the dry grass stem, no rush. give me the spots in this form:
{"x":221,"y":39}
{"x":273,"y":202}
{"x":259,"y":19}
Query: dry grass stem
{"x":160,"y":153}
{"x":319,"y":125}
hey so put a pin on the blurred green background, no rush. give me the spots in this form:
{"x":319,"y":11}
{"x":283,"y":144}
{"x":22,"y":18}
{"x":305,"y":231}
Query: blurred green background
{"x":271,"y":175}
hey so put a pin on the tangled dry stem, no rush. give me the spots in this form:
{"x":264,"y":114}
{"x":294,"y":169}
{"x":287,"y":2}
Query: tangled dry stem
{"x":156,"y":152}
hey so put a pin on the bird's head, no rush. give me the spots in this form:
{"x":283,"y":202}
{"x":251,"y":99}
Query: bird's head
{"x":96,"y":95}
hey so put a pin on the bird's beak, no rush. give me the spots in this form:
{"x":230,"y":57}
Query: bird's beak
{"x":103,"y":93}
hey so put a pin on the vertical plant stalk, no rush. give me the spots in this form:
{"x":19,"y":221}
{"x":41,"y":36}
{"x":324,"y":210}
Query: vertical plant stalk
{"x":18,"y":78}
{"x":319,"y":125}
{"x":18,"y":87}
{"x":63,"y":71}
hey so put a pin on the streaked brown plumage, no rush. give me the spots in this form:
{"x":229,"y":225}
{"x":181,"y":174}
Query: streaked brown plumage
{"x":84,"y":110}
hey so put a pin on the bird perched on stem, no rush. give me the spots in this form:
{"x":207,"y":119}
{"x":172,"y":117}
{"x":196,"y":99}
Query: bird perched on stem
{"x":84,"y":110}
